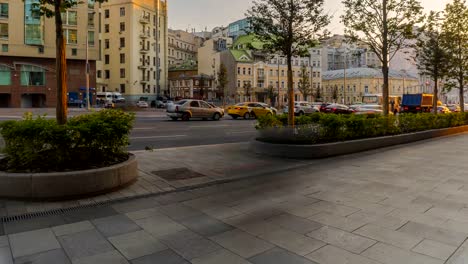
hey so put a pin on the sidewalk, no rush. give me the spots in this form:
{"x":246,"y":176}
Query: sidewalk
{"x":407,"y":204}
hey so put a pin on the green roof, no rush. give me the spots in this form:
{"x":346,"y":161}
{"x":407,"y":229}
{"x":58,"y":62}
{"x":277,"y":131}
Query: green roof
{"x":248,"y":42}
{"x":186,"y":66}
{"x":241,"y":55}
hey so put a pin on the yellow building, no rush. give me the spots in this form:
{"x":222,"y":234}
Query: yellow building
{"x":364,"y":81}
{"x":133,"y":55}
{"x":183,"y":47}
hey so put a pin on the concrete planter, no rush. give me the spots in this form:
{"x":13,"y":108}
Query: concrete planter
{"x":68,"y":184}
{"x":319,"y":151}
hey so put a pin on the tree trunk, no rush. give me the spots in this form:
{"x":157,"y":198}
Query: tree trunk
{"x":462,"y":92}
{"x":385,"y":57}
{"x":60,"y":67}
{"x":436,"y":96}
{"x":290,"y":93}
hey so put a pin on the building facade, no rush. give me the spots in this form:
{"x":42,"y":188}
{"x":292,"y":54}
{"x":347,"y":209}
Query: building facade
{"x":133,"y":56}
{"x":364,"y":81}
{"x":238,"y":28}
{"x":183,"y":46}
{"x":28,"y":52}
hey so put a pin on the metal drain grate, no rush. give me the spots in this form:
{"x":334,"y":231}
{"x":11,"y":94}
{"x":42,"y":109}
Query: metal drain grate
{"x":178,"y":174}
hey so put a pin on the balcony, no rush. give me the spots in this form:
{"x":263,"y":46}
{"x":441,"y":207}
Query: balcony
{"x":143,"y":35}
{"x":143,"y":67}
{"x":143,"y":81}
{"x":145,"y":19}
{"x":261,"y":77}
{"x":144,"y":51}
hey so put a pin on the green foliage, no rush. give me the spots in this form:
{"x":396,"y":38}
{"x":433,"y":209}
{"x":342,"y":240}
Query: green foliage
{"x":325,"y":128}
{"x":86,"y":141}
{"x":304,"y":83}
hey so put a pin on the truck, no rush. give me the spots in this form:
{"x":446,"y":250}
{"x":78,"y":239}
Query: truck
{"x":394,"y":101}
{"x":417,"y":103}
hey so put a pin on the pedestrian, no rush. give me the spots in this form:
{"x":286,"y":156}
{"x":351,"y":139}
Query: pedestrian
{"x":395,"y":111}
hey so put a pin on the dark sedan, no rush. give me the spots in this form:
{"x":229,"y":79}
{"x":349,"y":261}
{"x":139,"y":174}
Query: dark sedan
{"x":338,"y":109}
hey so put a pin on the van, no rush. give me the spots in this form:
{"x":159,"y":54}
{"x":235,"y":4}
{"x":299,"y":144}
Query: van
{"x":117,"y":98}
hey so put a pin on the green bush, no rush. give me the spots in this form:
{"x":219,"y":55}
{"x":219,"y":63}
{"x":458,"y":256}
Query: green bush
{"x":87,"y":141}
{"x":325,"y":128}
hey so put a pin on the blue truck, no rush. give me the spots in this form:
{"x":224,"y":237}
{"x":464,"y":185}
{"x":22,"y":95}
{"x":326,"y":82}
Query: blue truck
{"x":417,"y":103}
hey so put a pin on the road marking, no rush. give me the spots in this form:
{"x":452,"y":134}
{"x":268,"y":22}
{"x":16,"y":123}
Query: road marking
{"x":159,"y":137}
{"x":144,"y":128}
{"x":208,"y":126}
{"x":242,"y":132}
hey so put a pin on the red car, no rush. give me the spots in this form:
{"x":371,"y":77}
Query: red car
{"x":338,"y":109}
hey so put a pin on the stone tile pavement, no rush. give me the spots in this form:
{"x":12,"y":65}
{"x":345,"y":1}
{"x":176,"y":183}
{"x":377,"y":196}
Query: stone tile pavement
{"x":401,"y":205}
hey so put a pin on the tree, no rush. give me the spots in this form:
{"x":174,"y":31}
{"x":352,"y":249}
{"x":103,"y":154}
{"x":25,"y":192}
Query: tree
{"x":430,"y":53}
{"x":247,"y":89}
{"x":304,"y":83}
{"x":455,"y":31}
{"x":318,"y":93}
{"x":201,"y":85}
{"x":271,"y":94}
{"x":335,"y":93}
{"x":385,"y":26}
{"x":287,"y":27}
{"x":222,"y":81}
{"x":49,"y":9}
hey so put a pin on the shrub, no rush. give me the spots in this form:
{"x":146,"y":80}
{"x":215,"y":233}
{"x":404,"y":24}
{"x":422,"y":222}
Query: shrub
{"x":87,"y":141}
{"x":324,"y":128}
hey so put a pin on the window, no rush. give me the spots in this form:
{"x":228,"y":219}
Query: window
{"x":122,"y":11}
{"x":107,"y":74}
{"x":250,"y":72}
{"x":69,"y":18}
{"x":5,"y":75}
{"x":74,"y":52}
{"x":238,"y":83}
{"x":122,"y":58}
{"x":243,"y":71}
{"x":4,"y":47}
{"x":3,"y":31}
{"x":106,"y":28}
{"x":40,"y":49}
{"x":91,"y":4}
{"x":282,"y":72}
{"x":71,"y":36}
{"x":122,"y":26}
{"x":106,"y":44}
{"x":122,"y":87}
{"x":238,"y":70}
{"x":122,"y":73}
{"x":3,"y":10}
{"x":90,"y":19}
{"x":99,"y":73}
{"x":91,"y":38}
{"x":106,"y":59}
{"x":33,"y":28}
{"x":122,"y":42}
{"x":32,"y":75}
{"x":106,"y":13}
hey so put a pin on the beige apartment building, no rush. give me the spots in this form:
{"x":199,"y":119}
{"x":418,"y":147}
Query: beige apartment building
{"x":183,"y":46}
{"x":133,"y":49}
{"x":364,"y":81}
{"x":27,"y":53}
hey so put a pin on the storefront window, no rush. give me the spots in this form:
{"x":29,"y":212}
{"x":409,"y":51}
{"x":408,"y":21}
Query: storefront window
{"x":5,"y":75}
{"x":32,"y":75}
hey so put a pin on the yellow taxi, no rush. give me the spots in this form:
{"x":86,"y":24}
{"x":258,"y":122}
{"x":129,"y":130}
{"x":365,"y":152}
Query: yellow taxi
{"x":249,"y":110}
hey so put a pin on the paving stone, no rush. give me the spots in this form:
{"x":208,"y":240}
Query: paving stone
{"x":84,"y":244}
{"x":342,"y":239}
{"x":460,"y":256}
{"x":221,"y":256}
{"x":395,"y":238}
{"x":72,"y":228}
{"x":333,"y":255}
{"x":279,"y":256}
{"x":434,"y":249}
{"x":33,"y":224}
{"x":435,"y":233}
{"x":5,"y":256}
{"x":388,"y":254}
{"x":385,"y":221}
{"x":189,"y":244}
{"x":334,"y":208}
{"x":115,"y":225}
{"x":164,"y":257}
{"x":298,"y":210}
{"x":241,"y":243}
{"x":417,"y":217}
{"x":111,"y":257}
{"x":297,"y":224}
{"x":179,"y":211}
{"x":89,"y":213}
{"x":4,"y":241}
{"x":160,"y":225}
{"x":32,"y":242}
{"x":206,"y":225}
{"x":56,"y":256}
{"x":345,"y":223}
{"x":221,"y":212}
{"x":135,"y":205}
{"x":292,"y":241}
{"x":145,"y":213}
{"x":259,"y":228}
{"x":136,"y":244}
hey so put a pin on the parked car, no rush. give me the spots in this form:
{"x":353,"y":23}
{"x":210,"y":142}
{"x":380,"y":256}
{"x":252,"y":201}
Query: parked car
{"x":142,"y":104}
{"x":157,"y":104}
{"x":454,"y":108}
{"x":167,"y":103}
{"x":187,"y":109}
{"x":303,"y":108}
{"x":367,"y":109}
{"x":275,"y":111}
{"x":249,"y":110}
{"x":323,"y":106}
{"x":338,"y":109}
{"x":443,"y":110}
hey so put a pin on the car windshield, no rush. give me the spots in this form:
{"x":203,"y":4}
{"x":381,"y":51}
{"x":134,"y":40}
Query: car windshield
{"x":180,"y":102}
{"x":240,"y":104}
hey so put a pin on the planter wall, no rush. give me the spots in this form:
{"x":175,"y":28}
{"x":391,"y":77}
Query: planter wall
{"x":319,"y":151}
{"x":68,"y":184}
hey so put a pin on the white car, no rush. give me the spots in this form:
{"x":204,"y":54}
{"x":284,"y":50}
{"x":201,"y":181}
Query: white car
{"x":303,"y":108}
{"x":142,"y":104}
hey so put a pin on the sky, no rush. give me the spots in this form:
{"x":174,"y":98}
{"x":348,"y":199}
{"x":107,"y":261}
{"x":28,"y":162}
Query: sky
{"x":201,"y":14}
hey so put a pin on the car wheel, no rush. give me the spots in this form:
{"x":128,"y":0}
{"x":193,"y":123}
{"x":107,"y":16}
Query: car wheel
{"x":301,"y":113}
{"x":269,"y":114}
{"x":247,"y":115}
{"x":185,"y":117}
{"x":234,"y":117}
{"x":216,"y":117}
{"x":174,"y":118}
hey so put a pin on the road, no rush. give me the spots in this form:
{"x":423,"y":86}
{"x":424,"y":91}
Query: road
{"x":158,"y":132}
